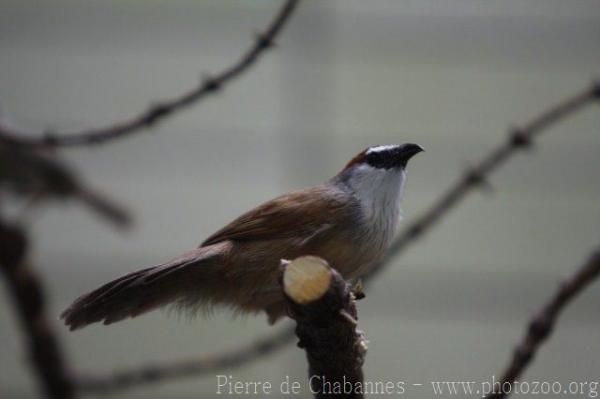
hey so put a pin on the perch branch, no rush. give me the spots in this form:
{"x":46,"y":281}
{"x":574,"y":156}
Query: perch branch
{"x":463,"y":186}
{"x":248,"y":353}
{"x":541,"y":326}
{"x":161,"y":110}
{"x":518,"y":139}
{"x":27,"y":292}
{"x":321,"y":302}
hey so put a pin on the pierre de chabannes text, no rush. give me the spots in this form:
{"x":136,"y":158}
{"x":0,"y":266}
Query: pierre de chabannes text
{"x":227,"y":385}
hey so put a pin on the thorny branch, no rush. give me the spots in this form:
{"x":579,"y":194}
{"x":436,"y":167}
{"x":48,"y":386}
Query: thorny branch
{"x":540,"y":327}
{"x":180,"y":369}
{"x":158,"y":112}
{"x":519,"y":138}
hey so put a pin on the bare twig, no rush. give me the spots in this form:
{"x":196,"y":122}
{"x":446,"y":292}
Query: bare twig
{"x":25,"y":287}
{"x":206,"y":365}
{"x":540,"y":327}
{"x":161,"y":110}
{"x":323,"y":306}
{"x":37,"y":174}
{"x":518,"y":139}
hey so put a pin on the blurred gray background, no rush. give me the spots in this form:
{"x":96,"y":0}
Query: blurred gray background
{"x":450,"y":75}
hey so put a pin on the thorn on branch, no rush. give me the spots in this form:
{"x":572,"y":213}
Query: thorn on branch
{"x":474,"y":177}
{"x":520,"y":139}
{"x":211,"y":85}
{"x":540,"y":327}
{"x":156,"y":112}
{"x":264,"y":42}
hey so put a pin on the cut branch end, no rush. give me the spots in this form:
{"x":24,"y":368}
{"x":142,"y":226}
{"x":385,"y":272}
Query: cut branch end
{"x":306,"y":279}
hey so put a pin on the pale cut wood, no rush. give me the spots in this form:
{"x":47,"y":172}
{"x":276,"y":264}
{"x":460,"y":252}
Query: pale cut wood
{"x":323,"y":305}
{"x":306,"y":279}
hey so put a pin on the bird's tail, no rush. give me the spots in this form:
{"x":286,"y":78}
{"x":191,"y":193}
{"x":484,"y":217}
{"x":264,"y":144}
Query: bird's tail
{"x":181,"y":279}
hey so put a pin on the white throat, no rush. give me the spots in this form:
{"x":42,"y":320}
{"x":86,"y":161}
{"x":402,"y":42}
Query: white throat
{"x":380,"y":192}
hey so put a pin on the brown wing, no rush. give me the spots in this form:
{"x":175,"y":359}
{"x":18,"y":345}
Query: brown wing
{"x":301,"y":213}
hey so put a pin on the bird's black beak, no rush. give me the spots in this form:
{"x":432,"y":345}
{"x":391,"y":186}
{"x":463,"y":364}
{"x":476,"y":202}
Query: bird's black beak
{"x":407,"y":151}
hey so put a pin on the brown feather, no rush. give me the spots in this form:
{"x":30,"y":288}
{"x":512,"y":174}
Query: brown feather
{"x":299,"y":213}
{"x":238,"y":266}
{"x":189,"y":275}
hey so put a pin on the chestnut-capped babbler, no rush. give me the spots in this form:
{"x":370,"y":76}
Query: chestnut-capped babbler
{"x":350,"y":220}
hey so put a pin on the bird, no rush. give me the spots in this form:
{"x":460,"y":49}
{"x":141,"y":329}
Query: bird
{"x":349,"y":220}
